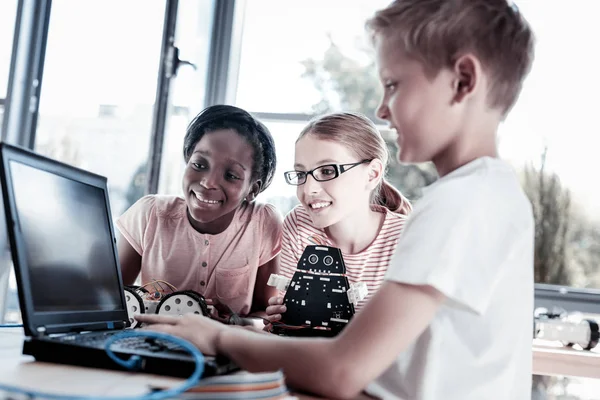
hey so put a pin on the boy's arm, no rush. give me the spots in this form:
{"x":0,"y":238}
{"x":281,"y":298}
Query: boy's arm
{"x":342,"y":367}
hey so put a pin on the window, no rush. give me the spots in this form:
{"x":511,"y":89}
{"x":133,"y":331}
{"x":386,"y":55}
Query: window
{"x":99,"y":88}
{"x":283,"y":48}
{"x":8,"y":300}
{"x":193,"y":35}
{"x":280,"y":194}
{"x":8,"y":11}
{"x":97,"y":95}
{"x":552,"y":130}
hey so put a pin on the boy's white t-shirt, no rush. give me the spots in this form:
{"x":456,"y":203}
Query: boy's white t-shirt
{"x":471,"y":236}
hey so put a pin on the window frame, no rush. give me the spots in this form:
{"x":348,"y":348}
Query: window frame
{"x":26,"y":71}
{"x":31,"y":31}
{"x":23,"y":92}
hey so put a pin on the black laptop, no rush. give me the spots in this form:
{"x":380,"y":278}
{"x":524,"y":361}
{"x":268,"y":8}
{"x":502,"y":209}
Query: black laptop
{"x":64,"y":252}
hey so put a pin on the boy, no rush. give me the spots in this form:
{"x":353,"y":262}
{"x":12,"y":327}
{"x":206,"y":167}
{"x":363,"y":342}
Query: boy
{"x":453,"y":319}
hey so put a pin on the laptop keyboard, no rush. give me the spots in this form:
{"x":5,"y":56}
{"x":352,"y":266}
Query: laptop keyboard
{"x":130,"y":343}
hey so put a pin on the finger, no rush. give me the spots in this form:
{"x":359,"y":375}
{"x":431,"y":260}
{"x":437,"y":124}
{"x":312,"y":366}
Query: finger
{"x":275,"y":310}
{"x":275,"y":300}
{"x":274,"y":317}
{"x":156,"y":319}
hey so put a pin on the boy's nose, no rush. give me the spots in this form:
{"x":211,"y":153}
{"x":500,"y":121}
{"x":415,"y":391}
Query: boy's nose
{"x":383,"y":111}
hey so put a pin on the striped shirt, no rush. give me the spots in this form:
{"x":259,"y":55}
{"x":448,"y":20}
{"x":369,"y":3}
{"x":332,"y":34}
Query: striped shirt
{"x":368,"y":266}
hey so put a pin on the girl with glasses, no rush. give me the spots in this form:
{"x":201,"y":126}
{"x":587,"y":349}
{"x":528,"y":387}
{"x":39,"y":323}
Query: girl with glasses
{"x":345,"y":202}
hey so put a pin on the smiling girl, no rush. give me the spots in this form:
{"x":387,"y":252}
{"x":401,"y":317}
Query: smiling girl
{"x":345,"y":201}
{"x":215,"y":239}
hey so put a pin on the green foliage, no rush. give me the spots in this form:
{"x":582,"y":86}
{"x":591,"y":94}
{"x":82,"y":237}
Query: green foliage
{"x":345,"y":84}
{"x":349,"y":85}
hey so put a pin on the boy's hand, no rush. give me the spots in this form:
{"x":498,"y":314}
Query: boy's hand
{"x":274,"y":311}
{"x":201,"y":331}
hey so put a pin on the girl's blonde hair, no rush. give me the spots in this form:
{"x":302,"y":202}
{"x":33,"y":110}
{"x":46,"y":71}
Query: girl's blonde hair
{"x":359,"y":134}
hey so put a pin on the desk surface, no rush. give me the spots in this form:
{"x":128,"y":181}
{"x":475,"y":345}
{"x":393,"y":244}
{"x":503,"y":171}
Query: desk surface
{"x":551,"y":358}
{"x":23,"y":371}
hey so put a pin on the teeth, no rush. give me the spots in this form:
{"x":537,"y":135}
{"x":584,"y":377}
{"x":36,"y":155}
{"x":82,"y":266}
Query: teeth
{"x":205,"y":200}
{"x":320,"y":205}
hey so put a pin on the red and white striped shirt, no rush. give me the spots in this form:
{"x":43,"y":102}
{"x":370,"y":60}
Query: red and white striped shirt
{"x":368,"y":266}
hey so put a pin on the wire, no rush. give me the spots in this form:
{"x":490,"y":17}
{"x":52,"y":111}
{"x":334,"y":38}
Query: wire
{"x":150,"y":283}
{"x":279,"y":324}
{"x":11,"y":325}
{"x":318,"y":240}
{"x":162,"y":288}
{"x":133,"y":363}
{"x":153,"y":281}
{"x":282,"y":325}
{"x":286,"y":326}
{"x":173,"y":288}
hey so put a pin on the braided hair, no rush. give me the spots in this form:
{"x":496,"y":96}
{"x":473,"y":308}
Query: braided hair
{"x":219,"y":117}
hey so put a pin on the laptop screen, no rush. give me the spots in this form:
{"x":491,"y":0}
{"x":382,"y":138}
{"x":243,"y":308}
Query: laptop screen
{"x":67,"y":241}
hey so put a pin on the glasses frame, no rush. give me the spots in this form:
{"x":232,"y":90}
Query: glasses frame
{"x":338,"y":168}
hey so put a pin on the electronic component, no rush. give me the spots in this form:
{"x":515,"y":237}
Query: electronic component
{"x":139,"y":300}
{"x":319,"y":299}
{"x":280,"y":282}
{"x":357,"y":292}
{"x":567,"y":330}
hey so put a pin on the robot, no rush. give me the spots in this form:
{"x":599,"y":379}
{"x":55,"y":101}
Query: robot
{"x":319,"y":299}
{"x":140,"y":300}
{"x":569,"y":330}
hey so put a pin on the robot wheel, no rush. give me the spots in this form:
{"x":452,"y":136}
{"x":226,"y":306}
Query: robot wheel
{"x":135,"y":305}
{"x":182,"y":302}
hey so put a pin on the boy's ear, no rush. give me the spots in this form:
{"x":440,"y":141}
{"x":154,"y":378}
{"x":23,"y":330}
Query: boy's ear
{"x":467,"y":70}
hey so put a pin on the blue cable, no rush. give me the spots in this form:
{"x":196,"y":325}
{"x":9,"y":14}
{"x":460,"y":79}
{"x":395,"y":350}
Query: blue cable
{"x":11,"y":325}
{"x":133,"y":363}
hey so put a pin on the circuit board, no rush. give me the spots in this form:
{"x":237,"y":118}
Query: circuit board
{"x":317,"y":294}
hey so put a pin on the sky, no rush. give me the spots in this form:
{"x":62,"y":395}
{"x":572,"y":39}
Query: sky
{"x":106,"y":52}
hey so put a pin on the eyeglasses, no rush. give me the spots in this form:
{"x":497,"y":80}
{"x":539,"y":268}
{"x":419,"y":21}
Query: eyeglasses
{"x":321,"y":173}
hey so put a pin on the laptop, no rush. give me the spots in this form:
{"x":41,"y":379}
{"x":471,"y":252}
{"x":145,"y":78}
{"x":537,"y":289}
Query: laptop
{"x":64,"y":252}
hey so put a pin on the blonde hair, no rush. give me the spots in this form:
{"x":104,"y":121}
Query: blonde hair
{"x":438,"y":32}
{"x":360,"y":135}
